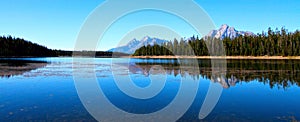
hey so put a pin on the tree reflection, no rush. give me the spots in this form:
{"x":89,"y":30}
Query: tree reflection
{"x":275,"y":73}
{"x":10,"y":68}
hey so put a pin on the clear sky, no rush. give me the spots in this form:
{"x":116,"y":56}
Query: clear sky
{"x":56,"y":23}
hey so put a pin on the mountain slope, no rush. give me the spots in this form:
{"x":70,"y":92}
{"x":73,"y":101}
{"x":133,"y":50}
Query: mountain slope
{"x":135,"y":44}
{"x":227,"y":31}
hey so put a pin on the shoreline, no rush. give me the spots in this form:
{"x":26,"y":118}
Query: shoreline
{"x":184,"y":57}
{"x":220,"y":57}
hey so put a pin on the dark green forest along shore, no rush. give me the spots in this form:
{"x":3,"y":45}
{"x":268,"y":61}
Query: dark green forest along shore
{"x":273,"y":43}
{"x":17,"y":47}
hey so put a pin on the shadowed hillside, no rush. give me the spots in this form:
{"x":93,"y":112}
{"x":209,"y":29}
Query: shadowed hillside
{"x":17,"y":47}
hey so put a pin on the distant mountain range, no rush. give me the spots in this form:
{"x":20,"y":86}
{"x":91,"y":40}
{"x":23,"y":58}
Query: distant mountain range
{"x":227,"y":31}
{"x":223,"y":32}
{"x":135,"y":44}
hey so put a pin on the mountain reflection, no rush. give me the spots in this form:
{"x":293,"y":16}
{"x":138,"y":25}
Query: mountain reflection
{"x":275,"y":73}
{"x":10,"y":68}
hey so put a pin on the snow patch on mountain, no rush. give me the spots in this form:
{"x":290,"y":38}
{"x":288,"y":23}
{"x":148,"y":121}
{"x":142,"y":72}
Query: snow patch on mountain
{"x":227,"y":31}
{"x":135,"y":44}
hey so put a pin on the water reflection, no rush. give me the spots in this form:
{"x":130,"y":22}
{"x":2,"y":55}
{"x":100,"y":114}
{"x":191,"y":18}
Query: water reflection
{"x":10,"y":68}
{"x":56,"y":98}
{"x":275,"y":73}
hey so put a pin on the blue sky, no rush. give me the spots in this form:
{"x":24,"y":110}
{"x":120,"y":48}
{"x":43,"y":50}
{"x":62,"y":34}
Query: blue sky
{"x":56,"y":23}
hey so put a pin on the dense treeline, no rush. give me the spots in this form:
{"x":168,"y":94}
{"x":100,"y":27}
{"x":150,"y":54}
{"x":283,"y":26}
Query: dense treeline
{"x":272,"y":43}
{"x":17,"y":47}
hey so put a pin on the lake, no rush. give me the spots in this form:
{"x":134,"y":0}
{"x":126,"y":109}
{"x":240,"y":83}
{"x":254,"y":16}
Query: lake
{"x":63,"y":89}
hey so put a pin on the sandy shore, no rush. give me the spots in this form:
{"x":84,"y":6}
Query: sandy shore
{"x":220,"y":57}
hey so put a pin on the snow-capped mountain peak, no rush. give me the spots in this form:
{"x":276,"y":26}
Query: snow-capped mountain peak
{"x":135,"y":44}
{"x":227,"y":31}
{"x":132,"y":43}
{"x":145,"y":38}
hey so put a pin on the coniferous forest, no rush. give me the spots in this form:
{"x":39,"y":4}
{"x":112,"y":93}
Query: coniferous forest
{"x":271,"y":43}
{"x":17,"y":47}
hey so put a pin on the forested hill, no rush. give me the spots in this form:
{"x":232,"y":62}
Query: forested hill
{"x":17,"y":47}
{"x":272,"y":43}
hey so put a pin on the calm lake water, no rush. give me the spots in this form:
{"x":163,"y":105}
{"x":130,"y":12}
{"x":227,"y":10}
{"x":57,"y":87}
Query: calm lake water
{"x":43,"y":89}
